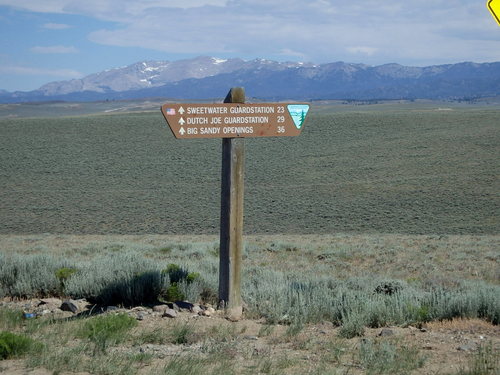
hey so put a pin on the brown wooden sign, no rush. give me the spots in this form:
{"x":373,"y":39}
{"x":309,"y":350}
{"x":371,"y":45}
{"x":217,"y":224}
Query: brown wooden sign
{"x":235,"y":120}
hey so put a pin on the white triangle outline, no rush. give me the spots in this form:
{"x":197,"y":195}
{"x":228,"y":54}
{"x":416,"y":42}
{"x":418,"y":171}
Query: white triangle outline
{"x":297,"y":121}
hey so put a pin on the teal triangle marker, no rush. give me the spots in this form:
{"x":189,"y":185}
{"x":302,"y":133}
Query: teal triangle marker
{"x":298,"y":113}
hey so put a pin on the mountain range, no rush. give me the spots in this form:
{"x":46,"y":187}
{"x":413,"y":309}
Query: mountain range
{"x":210,"y":78}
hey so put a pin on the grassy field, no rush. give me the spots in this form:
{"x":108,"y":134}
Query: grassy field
{"x":378,"y":215}
{"x":315,"y":304}
{"x":407,"y":169}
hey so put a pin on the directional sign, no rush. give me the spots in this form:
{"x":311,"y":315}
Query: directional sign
{"x":494,"y":7}
{"x":231,"y":120}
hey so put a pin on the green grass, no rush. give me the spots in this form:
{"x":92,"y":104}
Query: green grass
{"x":387,"y":214}
{"x":386,"y":357}
{"x":184,"y":365}
{"x":486,"y":361}
{"x":75,"y":358}
{"x":183,"y":334}
{"x":13,"y":345}
{"x":413,"y":171}
{"x":107,"y":330}
{"x":10,"y":319}
{"x":376,"y":287}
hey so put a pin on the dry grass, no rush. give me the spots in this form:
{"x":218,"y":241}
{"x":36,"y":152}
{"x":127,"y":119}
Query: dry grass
{"x":394,"y":171}
{"x":409,"y":257}
{"x":464,"y":325}
{"x":159,"y":346}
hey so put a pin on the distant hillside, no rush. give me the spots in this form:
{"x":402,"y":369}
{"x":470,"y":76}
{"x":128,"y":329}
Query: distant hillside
{"x":209,"y":77}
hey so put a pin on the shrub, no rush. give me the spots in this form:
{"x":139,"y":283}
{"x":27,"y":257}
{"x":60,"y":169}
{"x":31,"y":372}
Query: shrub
{"x":281,"y":246}
{"x":183,"y":284}
{"x":209,"y":295}
{"x":485,"y":362}
{"x":165,"y":250}
{"x":175,"y":273}
{"x":121,"y":278}
{"x":172,"y":294}
{"x":469,"y":300}
{"x":64,"y":273}
{"x":353,"y":326}
{"x":385,"y":357}
{"x":389,"y":287}
{"x":30,"y":276}
{"x":12,"y":345}
{"x":192,"y":276}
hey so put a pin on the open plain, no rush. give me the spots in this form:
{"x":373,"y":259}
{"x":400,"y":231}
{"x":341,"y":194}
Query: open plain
{"x":378,"y":169}
{"x":372,"y":244}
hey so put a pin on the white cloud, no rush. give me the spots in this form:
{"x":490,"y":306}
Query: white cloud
{"x":106,"y":9}
{"x":371,"y":31}
{"x":60,"y":73}
{"x":54,"y":49}
{"x":291,"y":53}
{"x":46,"y":6}
{"x":363,"y":50}
{"x":56,"y":26}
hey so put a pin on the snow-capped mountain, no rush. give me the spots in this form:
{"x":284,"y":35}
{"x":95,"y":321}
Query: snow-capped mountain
{"x":155,"y":73}
{"x":209,"y":77}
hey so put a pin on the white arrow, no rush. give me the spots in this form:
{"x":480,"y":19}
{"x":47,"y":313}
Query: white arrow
{"x":182,"y":131}
{"x":181,"y":121}
{"x":181,"y":110}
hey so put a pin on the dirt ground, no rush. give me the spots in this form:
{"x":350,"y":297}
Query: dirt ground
{"x":446,"y":347}
{"x":251,"y":346}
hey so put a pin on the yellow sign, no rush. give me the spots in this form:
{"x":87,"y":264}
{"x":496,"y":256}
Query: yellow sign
{"x":494,"y":7}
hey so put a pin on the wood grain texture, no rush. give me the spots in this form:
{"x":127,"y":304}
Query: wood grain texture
{"x":231,"y":224}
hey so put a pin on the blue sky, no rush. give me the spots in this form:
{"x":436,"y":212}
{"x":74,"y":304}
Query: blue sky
{"x":53,"y":40}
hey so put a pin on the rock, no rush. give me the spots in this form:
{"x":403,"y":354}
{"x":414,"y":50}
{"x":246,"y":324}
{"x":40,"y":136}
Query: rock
{"x":470,"y":346}
{"x":386,"y":332}
{"x":197,"y":309}
{"x":160,"y":308}
{"x":47,"y":305}
{"x":82,"y":305}
{"x":29,"y":306}
{"x":173,"y":306}
{"x":234,"y":314}
{"x":50,"y":301}
{"x":211,"y":310}
{"x":183,"y":305}
{"x":207,"y":312}
{"x":69,"y":305}
{"x":170,"y":313}
{"x":140,"y":316}
{"x":110,"y":308}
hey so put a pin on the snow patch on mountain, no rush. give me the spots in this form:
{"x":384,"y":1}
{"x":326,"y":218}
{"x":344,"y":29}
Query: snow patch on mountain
{"x":203,"y":77}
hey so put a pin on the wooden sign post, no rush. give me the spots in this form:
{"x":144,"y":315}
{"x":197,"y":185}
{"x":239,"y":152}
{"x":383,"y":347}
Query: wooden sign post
{"x":233,"y":121}
{"x":231,"y":217}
